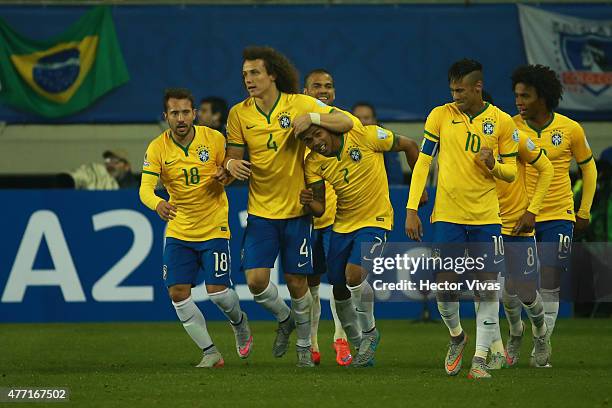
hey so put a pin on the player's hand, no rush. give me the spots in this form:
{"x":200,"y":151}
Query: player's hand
{"x":414,"y":228}
{"x":424,"y":198}
{"x":301,"y":123}
{"x":525,"y":224}
{"x":222,"y":176}
{"x":485,"y":156}
{"x":582,"y":224}
{"x":306,"y":197}
{"x":239,"y":169}
{"x":165,"y":210}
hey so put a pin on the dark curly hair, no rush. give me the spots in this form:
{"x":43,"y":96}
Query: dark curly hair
{"x":287,"y":77}
{"x":543,"y":79}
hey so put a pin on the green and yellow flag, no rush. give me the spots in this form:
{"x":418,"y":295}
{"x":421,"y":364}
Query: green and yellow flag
{"x":63,"y":75}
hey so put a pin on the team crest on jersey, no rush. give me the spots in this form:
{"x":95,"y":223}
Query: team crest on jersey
{"x":515,"y":135}
{"x":165,"y":272}
{"x":556,"y":138}
{"x":488,"y":127}
{"x":203,"y":153}
{"x":355,"y":154}
{"x":284,"y":120}
{"x":145,"y":163}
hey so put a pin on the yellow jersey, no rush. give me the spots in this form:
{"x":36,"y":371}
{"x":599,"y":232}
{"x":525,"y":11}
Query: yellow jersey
{"x":513,"y":201}
{"x":560,"y":139}
{"x":358,"y":177}
{"x":466,"y":193}
{"x":187,"y":173}
{"x":276,"y":156}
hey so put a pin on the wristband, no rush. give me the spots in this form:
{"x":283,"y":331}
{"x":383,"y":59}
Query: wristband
{"x":315,"y":118}
{"x":227,"y":164}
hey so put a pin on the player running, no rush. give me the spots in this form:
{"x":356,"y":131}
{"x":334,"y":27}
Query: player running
{"x":353,"y":164}
{"x":537,"y":92}
{"x":186,"y":159}
{"x":265,"y":123}
{"x":468,"y":133}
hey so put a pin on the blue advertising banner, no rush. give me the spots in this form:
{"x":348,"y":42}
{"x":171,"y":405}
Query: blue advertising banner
{"x":68,"y":256}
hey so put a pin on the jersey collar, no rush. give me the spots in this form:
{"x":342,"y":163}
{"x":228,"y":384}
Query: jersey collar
{"x":540,"y":130}
{"x":185,"y":149}
{"x":267,"y":116}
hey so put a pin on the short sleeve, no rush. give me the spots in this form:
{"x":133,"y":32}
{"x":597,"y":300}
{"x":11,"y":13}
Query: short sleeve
{"x":580,"y":146}
{"x":152,"y":160}
{"x":235,"y":137}
{"x":378,"y":139}
{"x":220,"y":147}
{"x":528,"y":151}
{"x":310,"y":171}
{"x":508,"y":138}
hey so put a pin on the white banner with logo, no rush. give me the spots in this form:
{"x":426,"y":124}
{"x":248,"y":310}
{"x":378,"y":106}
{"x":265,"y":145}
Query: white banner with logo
{"x":579,"y":50}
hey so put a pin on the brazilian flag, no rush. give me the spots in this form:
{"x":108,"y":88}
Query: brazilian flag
{"x":65,"y":74}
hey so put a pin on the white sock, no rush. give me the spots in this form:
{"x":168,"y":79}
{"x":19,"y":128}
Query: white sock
{"x":513,"y":308}
{"x":550,"y":299}
{"x":449,"y":311}
{"x":347,"y":316}
{"x":301,"y":312}
{"x":227,"y":301}
{"x":363,"y":299}
{"x":338,"y":330}
{"x":487,"y":321}
{"x":270,"y":300}
{"x":193,"y":321}
{"x":315,"y":317}
{"x":535,"y":312}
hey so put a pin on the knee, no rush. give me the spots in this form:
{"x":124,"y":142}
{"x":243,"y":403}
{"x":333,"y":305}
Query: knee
{"x":314,"y":280}
{"x":179,"y":293}
{"x":341,"y":292}
{"x":257,"y":282}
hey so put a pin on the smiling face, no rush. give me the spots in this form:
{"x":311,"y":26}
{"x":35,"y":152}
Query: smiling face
{"x":180,"y":116}
{"x":321,"y":86}
{"x":257,"y":81}
{"x":528,"y":103}
{"x":320,"y":140}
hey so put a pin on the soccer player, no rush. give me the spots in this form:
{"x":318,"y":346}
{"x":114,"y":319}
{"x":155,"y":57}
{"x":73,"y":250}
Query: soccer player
{"x":319,"y":84}
{"x":468,"y":132}
{"x":186,"y":158}
{"x":522,"y":275}
{"x":265,"y":123}
{"x":352,"y":163}
{"x":537,"y":92}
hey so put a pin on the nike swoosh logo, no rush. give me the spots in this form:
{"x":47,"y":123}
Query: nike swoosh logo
{"x":220,"y":275}
{"x":169,"y":162}
{"x":323,"y":168}
{"x":562,"y":257}
{"x":488,"y":323}
{"x":528,"y":272}
{"x":303,"y":264}
{"x":455,"y":123}
{"x":365,"y":258}
{"x":496,"y":261}
{"x":188,"y":320}
{"x":250,"y":127}
{"x":346,"y":359}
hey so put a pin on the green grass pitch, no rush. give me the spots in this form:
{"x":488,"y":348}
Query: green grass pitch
{"x":151,"y":364}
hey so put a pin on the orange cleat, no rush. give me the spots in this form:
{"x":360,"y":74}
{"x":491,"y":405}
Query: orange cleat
{"x":316,"y":357}
{"x":343,"y":352}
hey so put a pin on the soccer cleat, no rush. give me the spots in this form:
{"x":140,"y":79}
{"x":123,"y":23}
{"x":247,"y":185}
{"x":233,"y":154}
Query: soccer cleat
{"x":304,"y":356}
{"x":454,"y":356}
{"x":513,"y":348}
{"x":478,"y":369}
{"x":244,"y":339}
{"x":343,"y":352}
{"x":497,"y":361}
{"x":211,"y":359}
{"x":541,"y":352}
{"x":281,"y":342}
{"x":367,"y":348}
{"x":316,"y":357}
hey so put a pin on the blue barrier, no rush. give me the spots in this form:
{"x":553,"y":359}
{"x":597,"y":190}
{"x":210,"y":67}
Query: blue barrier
{"x":394,"y":56}
{"x":96,"y":256}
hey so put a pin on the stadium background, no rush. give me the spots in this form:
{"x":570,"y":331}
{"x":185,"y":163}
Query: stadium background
{"x":393,"y":55}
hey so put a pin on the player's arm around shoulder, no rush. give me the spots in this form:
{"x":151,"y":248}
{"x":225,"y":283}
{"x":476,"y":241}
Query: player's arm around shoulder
{"x":321,"y":115}
{"x":507,"y":144}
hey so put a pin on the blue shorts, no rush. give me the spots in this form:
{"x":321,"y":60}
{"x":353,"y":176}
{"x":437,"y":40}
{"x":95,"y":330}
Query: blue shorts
{"x":555,"y":242}
{"x":184,"y":260}
{"x":346,"y":248}
{"x":320,"y":249}
{"x":481,"y":241}
{"x":264,"y":238}
{"x":521,"y":258}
